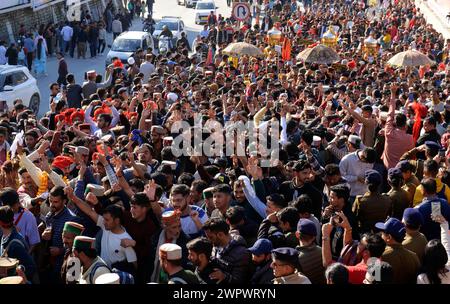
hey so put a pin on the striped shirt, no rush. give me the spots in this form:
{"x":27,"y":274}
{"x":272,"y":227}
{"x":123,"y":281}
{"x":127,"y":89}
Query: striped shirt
{"x":57,"y":223}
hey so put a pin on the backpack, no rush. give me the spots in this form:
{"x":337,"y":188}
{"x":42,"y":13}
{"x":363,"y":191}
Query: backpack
{"x":125,"y":277}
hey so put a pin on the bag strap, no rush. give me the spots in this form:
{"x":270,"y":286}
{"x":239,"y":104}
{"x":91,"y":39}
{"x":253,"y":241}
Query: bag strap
{"x":5,"y":252}
{"x":94,"y":269}
{"x":19,"y":217}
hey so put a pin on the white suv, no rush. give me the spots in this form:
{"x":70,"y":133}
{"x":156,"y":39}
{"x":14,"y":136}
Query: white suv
{"x":16,"y":82}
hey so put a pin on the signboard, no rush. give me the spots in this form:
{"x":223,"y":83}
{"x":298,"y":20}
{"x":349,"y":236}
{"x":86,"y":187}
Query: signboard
{"x":13,"y":4}
{"x":241,"y":11}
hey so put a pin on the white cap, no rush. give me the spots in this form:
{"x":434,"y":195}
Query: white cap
{"x":97,"y":190}
{"x":354,"y":139}
{"x":108,"y":278}
{"x":14,"y":280}
{"x":170,"y":251}
{"x":172,"y":97}
{"x":131,"y":61}
{"x":316,"y":140}
{"x":383,"y":115}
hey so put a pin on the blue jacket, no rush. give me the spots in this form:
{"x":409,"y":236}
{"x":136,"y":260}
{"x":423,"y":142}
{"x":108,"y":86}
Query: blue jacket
{"x":18,"y":250}
{"x":430,"y":228}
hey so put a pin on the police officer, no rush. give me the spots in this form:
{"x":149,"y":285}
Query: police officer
{"x":285,"y":267}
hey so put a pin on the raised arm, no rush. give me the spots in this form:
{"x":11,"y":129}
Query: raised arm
{"x":82,"y":205}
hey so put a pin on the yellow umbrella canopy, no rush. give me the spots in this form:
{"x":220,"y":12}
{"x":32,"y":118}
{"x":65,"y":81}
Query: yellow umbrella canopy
{"x":320,"y":54}
{"x":242,"y":48}
{"x":410,"y":58}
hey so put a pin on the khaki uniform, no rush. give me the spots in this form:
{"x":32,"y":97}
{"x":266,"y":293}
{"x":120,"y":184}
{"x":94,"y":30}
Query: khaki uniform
{"x":370,"y":209}
{"x":416,"y":242}
{"x":401,"y":200}
{"x":405,"y":263}
{"x":295,"y":278}
{"x":410,"y":186}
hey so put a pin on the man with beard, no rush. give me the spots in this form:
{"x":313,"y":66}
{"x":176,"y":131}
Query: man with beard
{"x":142,"y":224}
{"x":262,"y":258}
{"x":114,"y":255}
{"x":230,"y":252}
{"x":27,"y":185}
{"x":171,"y":233}
{"x":300,"y":185}
{"x":157,"y":134}
{"x":54,"y":224}
{"x":70,"y":231}
{"x":170,"y":256}
{"x":145,"y":156}
{"x":105,"y":121}
{"x":192,"y":217}
{"x":200,"y":250}
{"x":241,"y":200}
{"x":221,"y":200}
{"x":92,"y":266}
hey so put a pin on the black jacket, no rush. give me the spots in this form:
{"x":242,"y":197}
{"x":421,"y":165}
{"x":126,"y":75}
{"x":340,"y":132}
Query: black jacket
{"x":74,"y":95}
{"x":291,"y":192}
{"x":263,"y":274}
{"x":234,"y":260}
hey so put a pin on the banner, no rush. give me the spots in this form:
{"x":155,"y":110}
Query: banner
{"x":11,"y":4}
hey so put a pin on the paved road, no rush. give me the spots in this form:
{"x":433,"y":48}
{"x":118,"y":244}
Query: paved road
{"x":79,"y":66}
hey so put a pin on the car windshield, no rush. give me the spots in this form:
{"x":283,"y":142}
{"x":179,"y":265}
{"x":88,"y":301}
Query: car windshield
{"x":173,"y":26}
{"x":205,"y":5}
{"x":126,"y":45}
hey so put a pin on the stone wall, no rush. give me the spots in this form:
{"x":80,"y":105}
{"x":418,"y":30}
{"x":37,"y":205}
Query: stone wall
{"x":54,"y":13}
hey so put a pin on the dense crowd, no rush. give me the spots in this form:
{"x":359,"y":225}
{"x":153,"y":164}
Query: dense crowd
{"x":94,"y":191}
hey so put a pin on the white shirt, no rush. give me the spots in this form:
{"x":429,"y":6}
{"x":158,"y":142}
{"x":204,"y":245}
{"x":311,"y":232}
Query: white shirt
{"x":147,"y":68}
{"x":111,"y":251}
{"x":2,"y":55}
{"x":187,"y":223}
{"x":67,"y":33}
{"x":351,"y":168}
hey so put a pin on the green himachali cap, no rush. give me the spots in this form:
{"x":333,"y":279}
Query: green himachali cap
{"x":82,"y":243}
{"x":73,"y":227}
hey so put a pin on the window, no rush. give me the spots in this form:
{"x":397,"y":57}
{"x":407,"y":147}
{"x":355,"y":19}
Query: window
{"x":9,"y":80}
{"x":145,"y":44}
{"x":19,"y":78}
{"x":173,"y":26}
{"x":126,"y":45}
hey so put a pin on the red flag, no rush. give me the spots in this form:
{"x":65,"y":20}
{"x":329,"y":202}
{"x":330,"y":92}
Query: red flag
{"x":286,"y":50}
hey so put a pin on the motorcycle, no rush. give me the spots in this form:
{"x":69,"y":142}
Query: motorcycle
{"x":164,"y":44}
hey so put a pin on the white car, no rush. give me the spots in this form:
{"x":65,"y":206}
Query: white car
{"x":127,"y":43}
{"x":175,"y":25}
{"x":189,"y":3}
{"x":16,"y":82}
{"x":203,"y":9}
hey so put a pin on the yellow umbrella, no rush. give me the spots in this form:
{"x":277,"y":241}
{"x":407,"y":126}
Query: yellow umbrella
{"x":410,"y":58}
{"x":242,"y":48}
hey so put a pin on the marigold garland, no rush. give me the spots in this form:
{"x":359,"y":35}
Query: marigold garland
{"x":44,"y":184}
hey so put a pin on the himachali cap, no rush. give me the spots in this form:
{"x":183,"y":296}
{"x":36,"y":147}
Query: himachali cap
{"x":172,"y":216}
{"x":73,"y":227}
{"x":208,"y":193}
{"x":355,"y":140}
{"x":170,"y":252}
{"x":108,"y":278}
{"x":83,"y":243}
{"x":97,"y":190}
{"x":14,"y":280}
{"x":158,"y":129}
{"x":91,"y":73}
{"x":82,"y":150}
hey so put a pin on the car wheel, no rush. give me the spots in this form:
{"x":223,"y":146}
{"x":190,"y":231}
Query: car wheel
{"x":34,"y":103}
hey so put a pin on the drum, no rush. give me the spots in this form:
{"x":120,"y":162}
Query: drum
{"x":8,"y":266}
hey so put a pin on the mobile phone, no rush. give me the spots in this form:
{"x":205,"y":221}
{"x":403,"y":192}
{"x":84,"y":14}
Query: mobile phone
{"x":435,"y":209}
{"x":442,"y":153}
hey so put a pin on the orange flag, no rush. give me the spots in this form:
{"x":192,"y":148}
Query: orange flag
{"x":286,"y":50}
